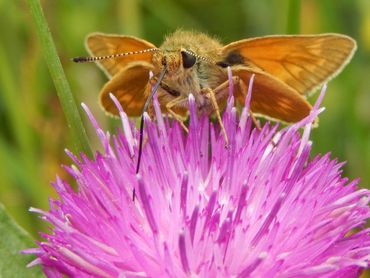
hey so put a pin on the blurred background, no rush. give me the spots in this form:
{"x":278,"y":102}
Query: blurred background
{"x":33,"y":130}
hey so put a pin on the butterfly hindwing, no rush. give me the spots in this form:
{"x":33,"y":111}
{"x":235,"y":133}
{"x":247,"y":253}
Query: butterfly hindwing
{"x":130,"y":86}
{"x":271,"y":97}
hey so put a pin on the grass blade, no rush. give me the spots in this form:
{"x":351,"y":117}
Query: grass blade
{"x":294,"y":17}
{"x":57,"y":73}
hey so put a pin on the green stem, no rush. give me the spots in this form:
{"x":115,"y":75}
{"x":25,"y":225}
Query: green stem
{"x":61,"y":84}
{"x":294,"y":16}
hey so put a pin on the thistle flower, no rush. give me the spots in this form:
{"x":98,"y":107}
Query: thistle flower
{"x":259,"y":208}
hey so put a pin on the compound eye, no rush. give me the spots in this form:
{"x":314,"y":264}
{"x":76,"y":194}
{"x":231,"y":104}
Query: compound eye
{"x":188,"y":59}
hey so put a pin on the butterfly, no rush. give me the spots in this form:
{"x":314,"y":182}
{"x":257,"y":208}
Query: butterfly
{"x":287,"y":68}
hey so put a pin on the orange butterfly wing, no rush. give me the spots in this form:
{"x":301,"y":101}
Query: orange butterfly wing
{"x":271,"y":97}
{"x":303,"y":62}
{"x":130,"y":87}
{"x":99,"y":44}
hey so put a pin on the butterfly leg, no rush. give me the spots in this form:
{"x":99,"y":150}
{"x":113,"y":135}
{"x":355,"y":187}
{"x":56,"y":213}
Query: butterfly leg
{"x":254,"y":120}
{"x":211,"y":94}
{"x":239,"y":84}
{"x":221,"y":92}
{"x":173,"y":103}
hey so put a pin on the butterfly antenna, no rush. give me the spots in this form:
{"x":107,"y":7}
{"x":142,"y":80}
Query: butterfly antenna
{"x":141,"y":135}
{"x":116,"y":55}
{"x":199,"y":57}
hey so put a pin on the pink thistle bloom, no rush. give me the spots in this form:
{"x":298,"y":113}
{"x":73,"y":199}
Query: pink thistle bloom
{"x":254,"y":209}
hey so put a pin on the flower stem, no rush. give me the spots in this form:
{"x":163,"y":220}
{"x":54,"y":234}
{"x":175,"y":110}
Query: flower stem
{"x":64,"y":92}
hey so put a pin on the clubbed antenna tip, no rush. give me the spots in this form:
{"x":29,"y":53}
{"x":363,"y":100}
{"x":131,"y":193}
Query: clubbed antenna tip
{"x":81,"y":59}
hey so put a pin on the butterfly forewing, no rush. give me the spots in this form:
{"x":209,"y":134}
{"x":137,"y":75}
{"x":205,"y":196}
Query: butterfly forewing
{"x":302,"y":62}
{"x":130,"y":87}
{"x":99,"y":44}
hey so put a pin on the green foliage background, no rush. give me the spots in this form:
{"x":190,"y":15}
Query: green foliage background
{"x":33,"y":130}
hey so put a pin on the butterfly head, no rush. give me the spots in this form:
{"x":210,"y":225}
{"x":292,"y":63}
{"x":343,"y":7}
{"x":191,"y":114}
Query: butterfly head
{"x":179,"y":62}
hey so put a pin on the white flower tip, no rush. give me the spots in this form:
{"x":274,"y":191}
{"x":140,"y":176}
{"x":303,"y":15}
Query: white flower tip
{"x":116,"y":103}
{"x":229,"y":73}
{"x":321,"y":96}
{"x":191,"y":98}
{"x":146,"y":116}
{"x":249,"y":92}
{"x":74,"y":168}
{"x":263,"y":255}
{"x":364,"y":200}
{"x":250,"y":85}
{"x":113,"y":97}
{"x":34,"y":263}
{"x":32,"y":209}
